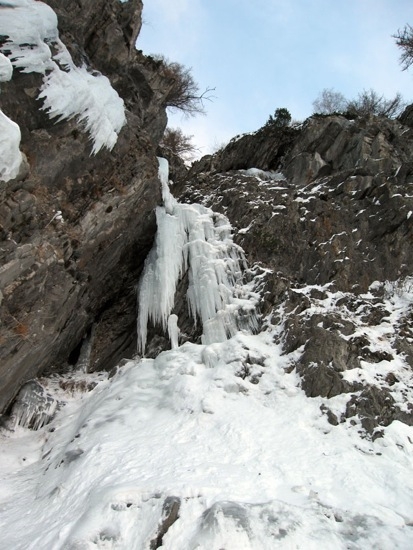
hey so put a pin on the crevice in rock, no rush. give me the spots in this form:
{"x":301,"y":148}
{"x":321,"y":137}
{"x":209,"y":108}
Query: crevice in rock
{"x":170,"y":514}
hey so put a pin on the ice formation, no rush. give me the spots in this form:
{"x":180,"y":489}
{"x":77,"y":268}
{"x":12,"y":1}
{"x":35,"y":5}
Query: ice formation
{"x":33,"y":407}
{"x":173,"y":330}
{"x":193,"y":238}
{"x":10,"y":155}
{"x":6,"y":68}
{"x":68,"y":91}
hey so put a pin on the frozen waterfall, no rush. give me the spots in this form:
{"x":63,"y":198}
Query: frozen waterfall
{"x":192,"y":238}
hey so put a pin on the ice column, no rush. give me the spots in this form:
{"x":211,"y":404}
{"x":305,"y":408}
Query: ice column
{"x":193,"y":238}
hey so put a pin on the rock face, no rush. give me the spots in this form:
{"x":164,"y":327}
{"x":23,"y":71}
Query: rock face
{"x":75,"y":228}
{"x":334,"y":226}
{"x":324,"y":212}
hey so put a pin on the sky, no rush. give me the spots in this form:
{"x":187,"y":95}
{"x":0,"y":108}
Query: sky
{"x":266,"y":54}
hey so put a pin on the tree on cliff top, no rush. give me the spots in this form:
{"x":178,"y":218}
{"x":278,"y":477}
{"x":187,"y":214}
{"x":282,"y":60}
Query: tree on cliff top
{"x":329,"y":101}
{"x":368,"y":102}
{"x":404,"y":39}
{"x":184,"y":93}
{"x":178,"y":143}
{"x":281,"y":118}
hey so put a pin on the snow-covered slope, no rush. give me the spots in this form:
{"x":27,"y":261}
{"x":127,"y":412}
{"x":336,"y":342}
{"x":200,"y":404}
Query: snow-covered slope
{"x":208,"y":446}
{"x":227,"y":432}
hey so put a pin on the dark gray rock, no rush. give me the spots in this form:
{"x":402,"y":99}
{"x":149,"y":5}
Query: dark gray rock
{"x":406,"y":117}
{"x":263,"y":149}
{"x":170,"y":514}
{"x":337,"y":219}
{"x":74,"y":232}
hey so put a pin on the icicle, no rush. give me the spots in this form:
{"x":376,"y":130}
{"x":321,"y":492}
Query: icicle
{"x":194,"y":238}
{"x":83,"y":362}
{"x":33,"y":407}
{"x":173,"y":330}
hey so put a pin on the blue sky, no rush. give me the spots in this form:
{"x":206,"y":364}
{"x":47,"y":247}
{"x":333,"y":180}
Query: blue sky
{"x":266,"y":54}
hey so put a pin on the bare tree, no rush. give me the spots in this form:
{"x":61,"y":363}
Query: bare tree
{"x":370,"y":102}
{"x":329,"y":101}
{"x":184,"y":94}
{"x":178,"y":143}
{"x":404,"y":39}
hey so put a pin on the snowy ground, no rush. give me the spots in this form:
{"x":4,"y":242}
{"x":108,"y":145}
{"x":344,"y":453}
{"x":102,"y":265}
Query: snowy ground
{"x":225,"y":429}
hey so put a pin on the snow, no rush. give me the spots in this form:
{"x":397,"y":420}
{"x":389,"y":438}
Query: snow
{"x":10,"y":155}
{"x":10,"y":135}
{"x":68,"y":91}
{"x":264,"y":175}
{"x":253,"y":461}
{"x":6,"y":68}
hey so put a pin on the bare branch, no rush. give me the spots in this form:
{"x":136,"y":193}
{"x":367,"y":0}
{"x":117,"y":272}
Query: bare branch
{"x":329,"y":101}
{"x":404,"y":39}
{"x":184,"y":94}
{"x":370,"y":102}
{"x":179,"y":144}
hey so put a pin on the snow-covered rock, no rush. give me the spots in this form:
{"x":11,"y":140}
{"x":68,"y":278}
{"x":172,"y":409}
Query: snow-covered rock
{"x":11,"y":158}
{"x":33,"y":45}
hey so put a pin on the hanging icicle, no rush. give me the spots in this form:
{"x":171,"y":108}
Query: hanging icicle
{"x":193,"y":238}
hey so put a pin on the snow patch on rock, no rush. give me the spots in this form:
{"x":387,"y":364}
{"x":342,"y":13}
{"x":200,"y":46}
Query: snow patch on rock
{"x":10,"y":155}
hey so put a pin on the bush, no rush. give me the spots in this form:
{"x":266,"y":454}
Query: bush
{"x":329,"y":102}
{"x":367,"y":103}
{"x":281,"y":118}
{"x":178,"y":143}
{"x":370,"y":102}
{"x":184,"y":94}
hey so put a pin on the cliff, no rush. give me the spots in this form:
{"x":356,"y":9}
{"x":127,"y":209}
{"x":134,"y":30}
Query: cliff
{"x":270,"y":295}
{"x":75,"y":227}
{"x":325,"y":210}
{"x":322,"y":210}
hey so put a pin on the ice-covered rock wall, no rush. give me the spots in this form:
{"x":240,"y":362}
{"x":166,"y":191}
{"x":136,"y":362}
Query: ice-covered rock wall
{"x":60,"y":282}
{"x":34,"y":407}
{"x":68,"y":91}
{"x":193,"y":238}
